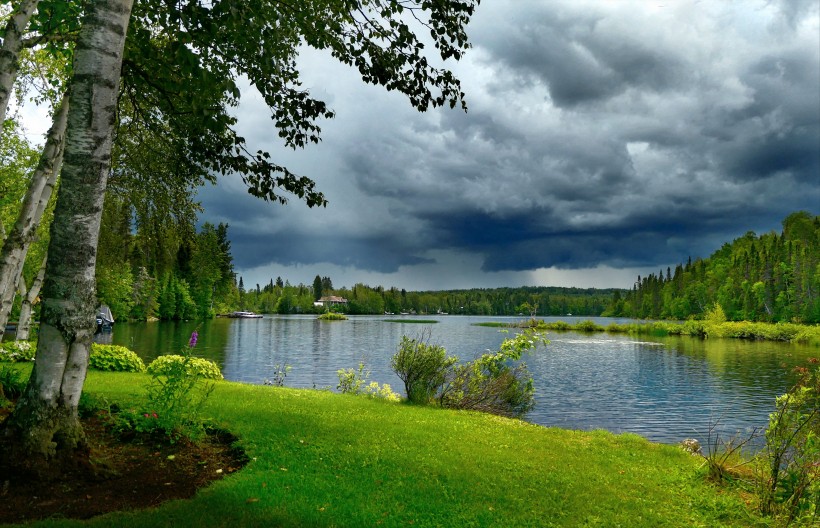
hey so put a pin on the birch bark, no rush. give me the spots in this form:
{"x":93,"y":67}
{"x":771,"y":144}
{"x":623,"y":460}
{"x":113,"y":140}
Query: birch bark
{"x":15,"y":246}
{"x":10,"y":52}
{"x":43,"y":435}
{"x":29,"y":296}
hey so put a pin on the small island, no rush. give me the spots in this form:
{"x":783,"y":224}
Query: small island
{"x":332,"y":316}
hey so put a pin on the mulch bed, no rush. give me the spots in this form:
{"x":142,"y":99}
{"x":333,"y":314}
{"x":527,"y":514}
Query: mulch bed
{"x":142,"y":472}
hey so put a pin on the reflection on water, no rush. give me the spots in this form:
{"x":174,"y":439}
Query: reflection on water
{"x":665,"y":389}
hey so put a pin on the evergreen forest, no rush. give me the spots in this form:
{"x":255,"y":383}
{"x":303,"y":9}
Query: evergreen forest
{"x":771,"y":277}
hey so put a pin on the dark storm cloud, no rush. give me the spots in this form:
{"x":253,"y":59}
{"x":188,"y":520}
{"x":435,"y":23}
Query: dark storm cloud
{"x":779,"y":129}
{"x":577,"y":60}
{"x":288,"y":249}
{"x":621,"y":134}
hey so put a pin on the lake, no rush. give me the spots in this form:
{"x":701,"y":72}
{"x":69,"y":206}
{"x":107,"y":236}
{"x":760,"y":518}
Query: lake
{"x":663,"y":388}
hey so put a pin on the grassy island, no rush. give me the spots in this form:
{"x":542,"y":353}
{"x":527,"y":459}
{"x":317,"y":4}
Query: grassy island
{"x":324,"y":459}
{"x":332,"y":316}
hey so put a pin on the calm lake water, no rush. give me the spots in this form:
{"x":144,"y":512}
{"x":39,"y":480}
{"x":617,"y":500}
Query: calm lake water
{"x":665,"y":389}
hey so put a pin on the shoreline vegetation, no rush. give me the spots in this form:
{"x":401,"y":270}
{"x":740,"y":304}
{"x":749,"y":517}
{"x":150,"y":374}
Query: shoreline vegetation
{"x":787,"y":332}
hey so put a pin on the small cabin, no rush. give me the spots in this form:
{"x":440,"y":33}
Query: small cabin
{"x":330,"y":300}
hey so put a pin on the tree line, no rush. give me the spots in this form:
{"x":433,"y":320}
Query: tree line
{"x":771,"y":277}
{"x":283,"y":298}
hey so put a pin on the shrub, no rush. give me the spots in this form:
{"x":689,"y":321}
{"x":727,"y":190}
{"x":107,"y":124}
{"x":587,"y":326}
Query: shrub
{"x":88,"y":405}
{"x":809,"y":335}
{"x":180,"y":386}
{"x":114,"y":358}
{"x":332,"y":316}
{"x":507,"y":392}
{"x":789,"y":482}
{"x":351,"y":381}
{"x":194,"y":366}
{"x":280,"y":372}
{"x":17,"y":351}
{"x":694,"y":328}
{"x":588,"y":326}
{"x":615,"y":328}
{"x":383,"y":392}
{"x":560,"y":326}
{"x":12,"y":383}
{"x":491,"y":384}
{"x":355,"y":382}
{"x":422,"y":367}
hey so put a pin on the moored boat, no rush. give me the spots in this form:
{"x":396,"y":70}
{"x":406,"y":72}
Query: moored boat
{"x":245,"y":315}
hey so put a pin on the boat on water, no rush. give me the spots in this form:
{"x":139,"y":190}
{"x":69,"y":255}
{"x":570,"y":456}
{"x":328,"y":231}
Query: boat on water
{"x":245,"y":315}
{"x":105,"y":320}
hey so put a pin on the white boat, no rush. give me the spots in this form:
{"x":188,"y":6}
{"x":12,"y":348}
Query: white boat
{"x":245,"y":315}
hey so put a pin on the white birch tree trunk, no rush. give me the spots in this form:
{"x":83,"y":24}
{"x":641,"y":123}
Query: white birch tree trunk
{"x":43,"y":435}
{"x":29,"y":296}
{"x":15,"y":247}
{"x":10,"y":52}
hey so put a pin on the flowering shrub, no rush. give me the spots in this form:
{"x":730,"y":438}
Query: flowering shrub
{"x":180,"y":386}
{"x":130,"y":421}
{"x":114,"y":358}
{"x":17,"y":351}
{"x":355,"y":382}
{"x":195,"y":366}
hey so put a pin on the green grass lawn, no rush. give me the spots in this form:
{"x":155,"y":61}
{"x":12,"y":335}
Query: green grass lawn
{"x":324,"y":459}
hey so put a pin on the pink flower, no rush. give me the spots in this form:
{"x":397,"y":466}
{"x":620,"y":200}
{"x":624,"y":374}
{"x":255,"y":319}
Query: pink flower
{"x":192,"y":341}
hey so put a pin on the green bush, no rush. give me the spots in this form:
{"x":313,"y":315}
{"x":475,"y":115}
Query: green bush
{"x":351,"y":381}
{"x":12,"y":383}
{"x":560,"y":326}
{"x":615,"y":328}
{"x":492,"y":384}
{"x":114,"y":358}
{"x":332,"y":316}
{"x":179,"y":388}
{"x":508,"y":392}
{"x":789,"y":480}
{"x":355,"y":382}
{"x":694,"y":328}
{"x":203,"y":368}
{"x":808,"y":334}
{"x":422,"y":367}
{"x":588,"y":326}
{"x":17,"y":351}
{"x":89,"y":405}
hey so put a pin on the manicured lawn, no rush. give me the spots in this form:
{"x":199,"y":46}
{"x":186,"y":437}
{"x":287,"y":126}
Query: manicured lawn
{"x":324,"y":459}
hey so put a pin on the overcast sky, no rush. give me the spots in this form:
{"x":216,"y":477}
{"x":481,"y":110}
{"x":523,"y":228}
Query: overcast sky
{"x":604,"y":139}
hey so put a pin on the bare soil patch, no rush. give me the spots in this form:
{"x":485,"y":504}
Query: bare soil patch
{"x":142,"y":472}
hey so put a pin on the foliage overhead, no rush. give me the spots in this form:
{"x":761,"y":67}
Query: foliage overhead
{"x":204,"y":49}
